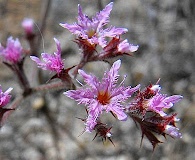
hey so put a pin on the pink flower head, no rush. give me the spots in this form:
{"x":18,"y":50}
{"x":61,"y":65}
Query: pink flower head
{"x":51,"y":62}
{"x":28,"y":25}
{"x":92,"y":29}
{"x":13,"y":51}
{"x":4,"y":97}
{"x":102,"y":95}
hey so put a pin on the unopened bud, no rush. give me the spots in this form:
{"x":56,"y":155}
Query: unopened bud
{"x":28,"y":25}
{"x":156,"y":88}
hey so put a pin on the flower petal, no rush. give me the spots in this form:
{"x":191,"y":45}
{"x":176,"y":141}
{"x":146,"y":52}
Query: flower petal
{"x":113,"y":73}
{"x":173,"y":131}
{"x":83,"y":96}
{"x":173,"y":99}
{"x":94,"y":111}
{"x":59,"y":50}
{"x":89,"y":79}
{"x":103,"y":16}
{"x":118,"y":111}
{"x":113,"y":31}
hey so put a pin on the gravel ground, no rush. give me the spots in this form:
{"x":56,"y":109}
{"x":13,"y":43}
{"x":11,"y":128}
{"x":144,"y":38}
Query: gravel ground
{"x":165,"y":32}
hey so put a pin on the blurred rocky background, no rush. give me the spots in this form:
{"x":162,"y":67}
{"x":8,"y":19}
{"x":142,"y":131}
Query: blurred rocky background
{"x":165,"y":32}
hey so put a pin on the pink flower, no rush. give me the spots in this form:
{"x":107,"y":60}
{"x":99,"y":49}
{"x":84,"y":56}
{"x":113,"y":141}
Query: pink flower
{"x":103,"y":95}
{"x":51,"y":62}
{"x":28,"y":25}
{"x":92,"y":29}
{"x":160,"y":102}
{"x":125,"y":47}
{"x":118,"y":47}
{"x":4,"y":97}
{"x":151,"y":99}
{"x":13,"y":51}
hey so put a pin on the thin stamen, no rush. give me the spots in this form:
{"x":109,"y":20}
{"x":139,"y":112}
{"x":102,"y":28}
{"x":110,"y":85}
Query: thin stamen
{"x":79,"y":82}
{"x":125,"y":76}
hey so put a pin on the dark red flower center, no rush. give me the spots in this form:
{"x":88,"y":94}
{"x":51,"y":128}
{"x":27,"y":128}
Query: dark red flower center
{"x":103,"y":97}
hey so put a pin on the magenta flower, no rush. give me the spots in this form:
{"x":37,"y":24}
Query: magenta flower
{"x":125,"y":47}
{"x":13,"y":51}
{"x":160,"y":102}
{"x":28,"y":25}
{"x":118,"y":47}
{"x":92,"y":29}
{"x":51,"y":62}
{"x":152,"y":100}
{"x":156,"y":102}
{"x":4,"y":97}
{"x":103,"y":95}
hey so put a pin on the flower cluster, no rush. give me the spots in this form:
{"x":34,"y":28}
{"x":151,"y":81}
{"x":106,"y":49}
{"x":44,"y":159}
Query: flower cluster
{"x":97,"y":43}
{"x":92,"y":32}
{"x":12,"y":53}
{"x":147,"y":109}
